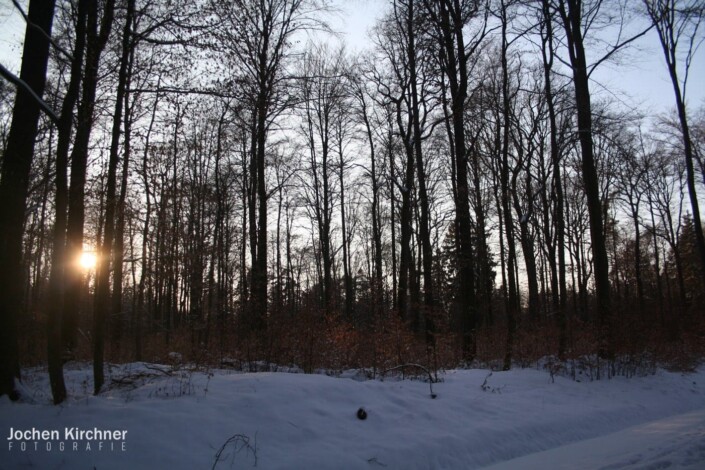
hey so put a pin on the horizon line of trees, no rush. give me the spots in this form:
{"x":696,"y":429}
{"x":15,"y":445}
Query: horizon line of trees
{"x":252,"y":188}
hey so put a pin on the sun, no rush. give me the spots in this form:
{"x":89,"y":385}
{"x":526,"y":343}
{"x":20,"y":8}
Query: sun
{"x":87,"y":260}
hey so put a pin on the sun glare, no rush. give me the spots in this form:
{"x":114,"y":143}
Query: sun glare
{"x":87,"y":260}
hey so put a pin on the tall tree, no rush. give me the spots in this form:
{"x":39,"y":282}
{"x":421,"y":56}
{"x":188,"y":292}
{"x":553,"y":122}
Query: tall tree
{"x":62,"y":326}
{"x":414,"y":55}
{"x":257,"y":34}
{"x":580,"y":18}
{"x":322,"y":94}
{"x":106,"y":254}
{"x":678,"y":21}
{"x":512,"y":308}
{"x":572,"y":16}
{"x":360,"y":94}
{"x":16,"y":164}
{"x":450,"y":18}
{"x":98,"y":28}
{"x":558,"y":279}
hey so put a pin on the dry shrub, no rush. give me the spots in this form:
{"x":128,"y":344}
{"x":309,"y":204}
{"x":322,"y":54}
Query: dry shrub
{"x":311,"y":341}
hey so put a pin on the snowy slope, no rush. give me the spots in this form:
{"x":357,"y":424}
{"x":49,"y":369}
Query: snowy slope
{"x":674,"y":442}
{"x":309,"y":421}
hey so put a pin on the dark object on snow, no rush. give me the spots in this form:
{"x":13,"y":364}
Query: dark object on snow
{"x":361,"y":414}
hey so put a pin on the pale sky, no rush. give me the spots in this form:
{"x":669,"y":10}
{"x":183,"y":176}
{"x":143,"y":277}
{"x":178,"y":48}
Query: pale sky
{"x":641,"y":80}
{"x":11,"y":35}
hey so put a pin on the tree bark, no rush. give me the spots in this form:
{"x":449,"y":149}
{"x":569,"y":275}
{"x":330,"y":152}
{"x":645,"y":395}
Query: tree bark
{"x":102,"y":300}
{"x":572,"y":22}
{"x":16,"y":165}
{"x":450,"y":20}
{"x":424,"y":229}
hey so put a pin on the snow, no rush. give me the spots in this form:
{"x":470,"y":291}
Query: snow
{"x":520,"y":419}
{"x":674,"y":442}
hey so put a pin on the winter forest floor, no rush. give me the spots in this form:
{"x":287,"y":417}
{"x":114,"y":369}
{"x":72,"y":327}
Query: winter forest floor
{"x":526,"y":418}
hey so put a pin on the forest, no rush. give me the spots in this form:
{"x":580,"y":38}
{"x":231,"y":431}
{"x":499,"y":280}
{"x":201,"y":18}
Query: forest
{"x":226,"y":181}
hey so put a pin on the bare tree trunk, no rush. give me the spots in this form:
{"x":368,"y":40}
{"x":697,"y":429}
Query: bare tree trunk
{"x":424,"y":229}
{"x":118,"y":255}
{"x":657,"y":258}
{"x":60,"y":263}
{"x":484,"y":276}
{"x":547,"y":53}
{"x":347,"y":275}
{"x":675,"y":21}
{"x":572,"y":22}
{"x":278,"y":292}
{"x":102,"y":303}
{"x":526,"y":238}
{"x":145,"y":273}
{"x":450,"y":20}
{"x":259,"y":265}
{"x":95,"y":42}
{"x":406,"y":270}
{"x":392,"y":216}
{"x":16,"y":165}
{"x":513,"y":304}
{"x":376,"y":229}
{"x":251,"y":173}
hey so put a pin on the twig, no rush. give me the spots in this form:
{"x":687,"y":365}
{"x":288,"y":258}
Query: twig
{"x":165,"y":372}
{"x":41,"y":31}
{"x":374,"y":461}
{"x":484,"y":385}
{"x":12,"y":78}
{"x":431,"y":381}
{"x":245,"y":440}
{"x":487,"y":388}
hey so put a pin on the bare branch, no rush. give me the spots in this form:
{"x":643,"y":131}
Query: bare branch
{"x":12,"y":78}
{"x":40,"y":30}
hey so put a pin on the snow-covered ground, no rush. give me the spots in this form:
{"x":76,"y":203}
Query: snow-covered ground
{"x":674,"y":442}
{"x":518,"y":420}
